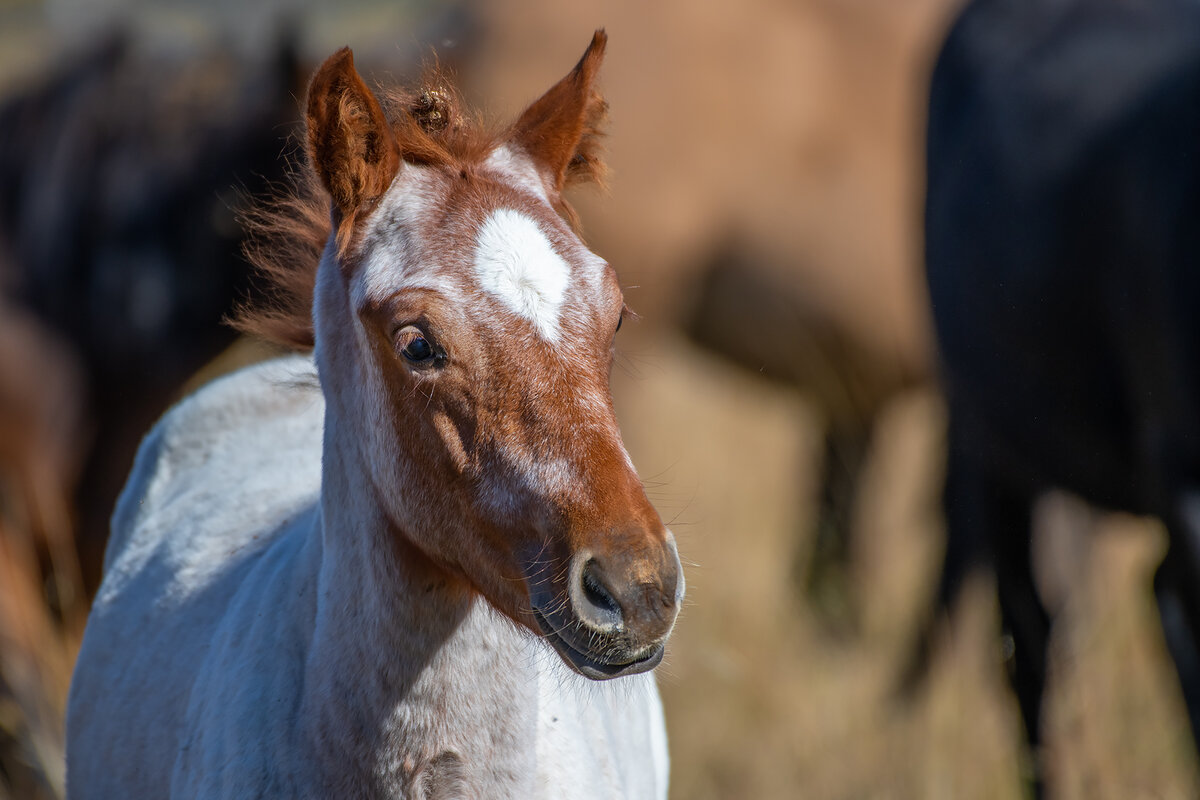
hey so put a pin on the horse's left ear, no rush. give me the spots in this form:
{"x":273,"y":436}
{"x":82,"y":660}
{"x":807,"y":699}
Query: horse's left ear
{"x":561,"y":131}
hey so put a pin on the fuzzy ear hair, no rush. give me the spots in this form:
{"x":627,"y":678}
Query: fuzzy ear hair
{"x":561,"y":131}
{"x":351,"y":145}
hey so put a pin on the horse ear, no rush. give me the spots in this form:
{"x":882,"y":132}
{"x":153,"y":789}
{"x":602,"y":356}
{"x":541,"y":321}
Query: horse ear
{"x":562,"y":129}
{"x":351,"y":145}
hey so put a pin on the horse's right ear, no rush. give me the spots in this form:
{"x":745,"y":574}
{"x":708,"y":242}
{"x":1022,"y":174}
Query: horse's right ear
{"x":351,"y":145}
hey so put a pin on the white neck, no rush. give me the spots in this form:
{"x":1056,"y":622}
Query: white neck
{"x":411,"y":678}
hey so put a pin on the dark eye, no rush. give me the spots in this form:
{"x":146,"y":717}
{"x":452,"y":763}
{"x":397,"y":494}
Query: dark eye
{"x":415,"y":346}
{"x":625,"y":312}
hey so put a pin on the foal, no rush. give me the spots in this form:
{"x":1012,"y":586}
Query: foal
{"x":358,"y":587}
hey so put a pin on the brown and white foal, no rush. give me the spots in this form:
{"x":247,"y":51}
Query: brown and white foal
{"x":356,"y":588}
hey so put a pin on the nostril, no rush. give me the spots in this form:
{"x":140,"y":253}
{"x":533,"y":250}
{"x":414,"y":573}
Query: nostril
{"x":599,"y":607}
{"x":596,"y":594}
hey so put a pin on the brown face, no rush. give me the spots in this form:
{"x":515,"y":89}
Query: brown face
{"x":491,"y":330}
{"x":474,"y":332}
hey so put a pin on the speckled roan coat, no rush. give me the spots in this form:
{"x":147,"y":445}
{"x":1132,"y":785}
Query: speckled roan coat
{"x":395,"y":569}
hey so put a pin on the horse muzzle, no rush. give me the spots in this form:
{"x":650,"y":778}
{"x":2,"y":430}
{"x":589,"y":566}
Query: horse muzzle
{"x":615,"y":613}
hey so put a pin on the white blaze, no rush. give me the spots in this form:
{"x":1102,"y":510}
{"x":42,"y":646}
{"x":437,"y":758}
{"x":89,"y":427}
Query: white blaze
{"x":515,"y":262}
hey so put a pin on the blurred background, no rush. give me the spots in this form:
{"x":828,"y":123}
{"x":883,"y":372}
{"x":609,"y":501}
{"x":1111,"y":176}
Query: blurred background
{"x":778,"y":393}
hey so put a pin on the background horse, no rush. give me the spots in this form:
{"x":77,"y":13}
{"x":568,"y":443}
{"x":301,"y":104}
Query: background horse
{"x":363,"y":596}
{"x":1064,"y":270}
{"x":119,"y":181}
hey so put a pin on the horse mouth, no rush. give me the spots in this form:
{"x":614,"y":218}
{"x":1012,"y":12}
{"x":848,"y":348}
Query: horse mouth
{"x":599,"y":666}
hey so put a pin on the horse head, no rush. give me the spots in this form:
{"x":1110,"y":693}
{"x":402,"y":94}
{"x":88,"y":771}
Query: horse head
{"x":464,"y":337}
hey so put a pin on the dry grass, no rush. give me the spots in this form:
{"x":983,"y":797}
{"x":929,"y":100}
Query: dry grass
{"x":36,"y":654}
{"x":41,"y":624}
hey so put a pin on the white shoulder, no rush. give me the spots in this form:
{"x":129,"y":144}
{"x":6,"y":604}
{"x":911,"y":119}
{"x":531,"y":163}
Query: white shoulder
{"x":226,"y":476}
{"x":238,"y":451}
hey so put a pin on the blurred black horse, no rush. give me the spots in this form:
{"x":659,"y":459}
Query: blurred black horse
{"x":1063,"y":262}
{"x":119,"y":181}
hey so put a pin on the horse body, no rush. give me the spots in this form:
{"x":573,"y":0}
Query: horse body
{"x":1061,"y":261}
{"x":360,"y":590}
{"x":246,"y":632}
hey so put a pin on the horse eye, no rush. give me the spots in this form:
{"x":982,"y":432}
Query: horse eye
{"x":415,"y":347}
{"x":625,"y":312}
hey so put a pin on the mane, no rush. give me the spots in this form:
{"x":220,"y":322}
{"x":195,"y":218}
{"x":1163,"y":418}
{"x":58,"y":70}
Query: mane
{"x":288,"y":230}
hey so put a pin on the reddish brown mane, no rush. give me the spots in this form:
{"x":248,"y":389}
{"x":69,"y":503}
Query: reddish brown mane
{"x":286,"y":236}
{"x":288,"y":232}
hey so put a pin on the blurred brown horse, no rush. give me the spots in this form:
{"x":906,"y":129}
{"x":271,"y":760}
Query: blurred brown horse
{"x":796,"y":240}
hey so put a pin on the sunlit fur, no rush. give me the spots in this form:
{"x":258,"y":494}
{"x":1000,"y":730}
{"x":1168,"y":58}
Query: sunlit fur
{"x":357,"y":574}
